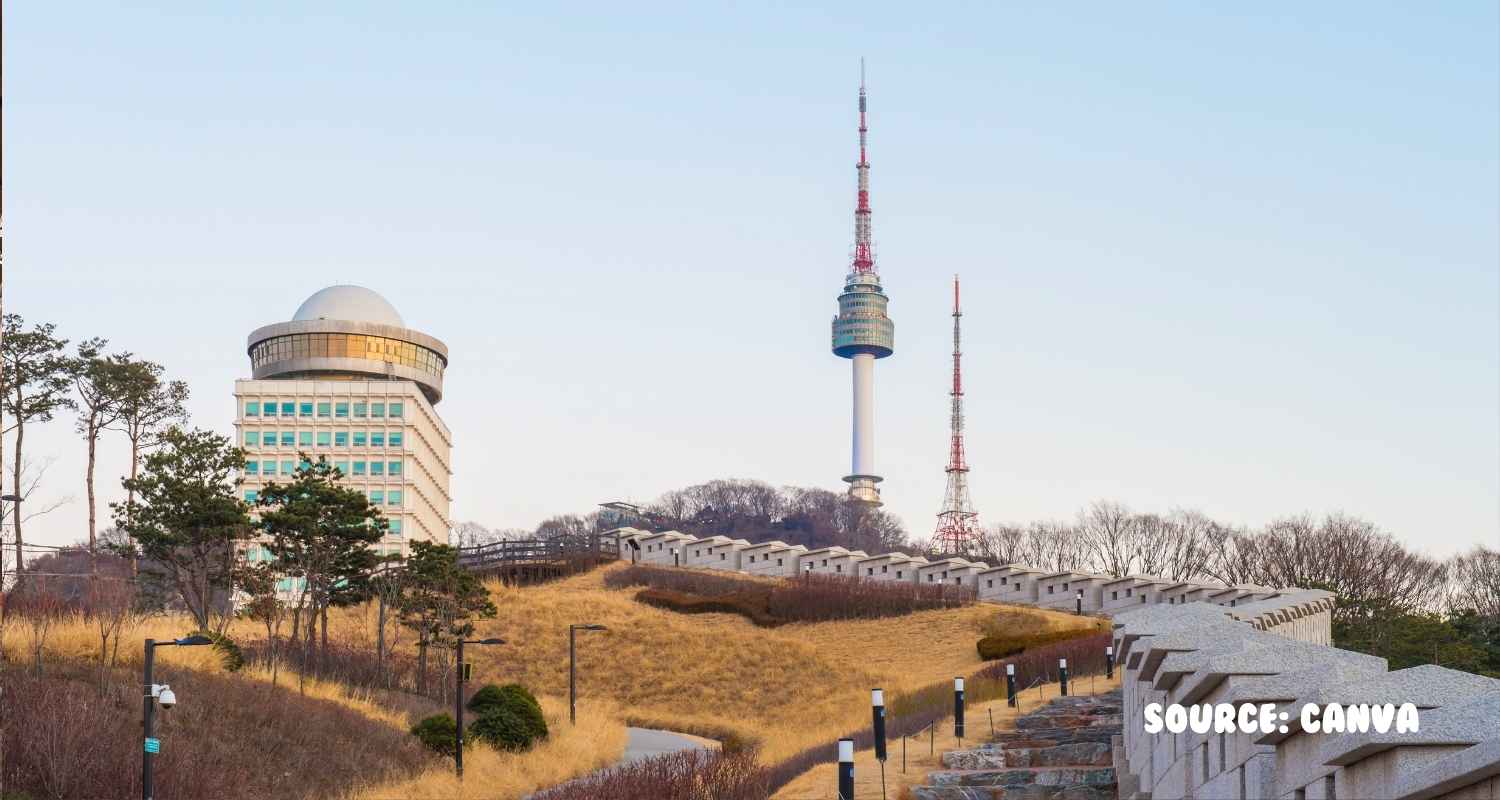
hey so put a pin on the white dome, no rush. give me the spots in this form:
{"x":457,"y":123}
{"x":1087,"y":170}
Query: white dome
{"x":349,"y":303}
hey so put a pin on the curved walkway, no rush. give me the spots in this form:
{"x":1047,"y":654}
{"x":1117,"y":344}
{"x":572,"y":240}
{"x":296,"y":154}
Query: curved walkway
{"x":645,"y":743}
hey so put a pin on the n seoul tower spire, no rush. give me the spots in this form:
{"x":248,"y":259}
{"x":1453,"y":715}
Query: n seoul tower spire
{"x":958,"y":523}
{"x":862,"y":332}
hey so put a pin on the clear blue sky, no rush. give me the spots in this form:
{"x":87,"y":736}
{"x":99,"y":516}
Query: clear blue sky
{"x":1238,"y":259}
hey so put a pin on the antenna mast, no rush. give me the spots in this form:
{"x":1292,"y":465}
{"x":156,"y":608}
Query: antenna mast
{"x":958,"y":522}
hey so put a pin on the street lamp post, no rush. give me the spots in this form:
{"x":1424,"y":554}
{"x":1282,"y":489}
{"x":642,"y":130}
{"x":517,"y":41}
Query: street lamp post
{"x":458,"y":701}
{"x":573,"y":668}
{"x":153,"y":692}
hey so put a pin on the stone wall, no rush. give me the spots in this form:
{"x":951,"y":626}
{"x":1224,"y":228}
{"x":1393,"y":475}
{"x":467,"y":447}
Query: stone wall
{"x":1277,"y":651}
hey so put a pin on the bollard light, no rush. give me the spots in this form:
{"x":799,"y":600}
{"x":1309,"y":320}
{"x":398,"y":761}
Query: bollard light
{"x":1062,"y":675}
{"x":877,"y":703}
{"x":958,"y":708}
{"x":846,"y":769}
{"x":1109,"y":661}
{"x":1010,"y":685}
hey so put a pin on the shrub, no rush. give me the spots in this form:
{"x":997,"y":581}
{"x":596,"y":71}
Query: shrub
{"x":76,"y":733}
{"x":517,"y":701}
{"x":505,"y":729}
{"x":438,"y":732}
{"x":1000,"y":646}
{"x":752,"y":606}
{"x":686,"y":774}
{"x":1085,"y":655}
{"x":806,"y":598}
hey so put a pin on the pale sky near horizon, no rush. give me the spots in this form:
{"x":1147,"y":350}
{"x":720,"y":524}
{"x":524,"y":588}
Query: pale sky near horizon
{"x":1243,"y":259}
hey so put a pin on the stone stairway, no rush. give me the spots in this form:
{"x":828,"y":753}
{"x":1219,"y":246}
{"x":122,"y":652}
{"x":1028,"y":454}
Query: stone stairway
{"x":1062,"y":751}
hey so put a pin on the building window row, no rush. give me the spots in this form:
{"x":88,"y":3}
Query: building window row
{"x":274,"y":408}
{"x":269,"y":468}
{"x":256,"y":438}
{"x":346,"y":345}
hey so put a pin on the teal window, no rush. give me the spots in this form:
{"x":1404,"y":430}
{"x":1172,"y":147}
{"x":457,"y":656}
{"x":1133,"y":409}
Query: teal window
{"x":288,"y":439}
{"x":360,"y":410}
{"x":252,"y":408}
{"x":268,"y":467}
{"x":341,"y":409}
{"x":396,"y":410}
{"x":288,"y":409}
{"x":395,"y":527}
{"x":307,"y":409}
{"x":377,"y":409}
{"x":304,"y":439}
{"x":395,"y":468}
{"x":250,"y":495}
{"x":377,"y":497}
{"x":325,"y":409}
{"x":377,"y":439}
{"x":393,"y":497}
{"x":377,"y":467}
{"x":341,"y":439}
{"x":288,"y":467}
{"x":324,"y":438}
{"x":342,"y":467}
{"x":252,"y":467}
{"x":252,"y":438}
{"x":395,"y":438}
{"x":359,"y":438}
{"x":359,"y":468}
{"x":268,"y":409}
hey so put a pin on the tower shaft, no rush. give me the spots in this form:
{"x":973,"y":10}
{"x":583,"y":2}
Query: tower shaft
{"x":958,"y":522}
{"x":862,"y":332}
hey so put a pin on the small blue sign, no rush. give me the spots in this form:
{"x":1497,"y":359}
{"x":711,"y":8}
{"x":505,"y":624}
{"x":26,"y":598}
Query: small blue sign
{"x":153,"y":745}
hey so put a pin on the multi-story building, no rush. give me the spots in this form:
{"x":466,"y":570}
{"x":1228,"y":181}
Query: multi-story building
{"x":345,"y":379}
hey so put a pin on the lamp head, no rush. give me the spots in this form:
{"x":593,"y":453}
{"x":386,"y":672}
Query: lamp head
{"x":490,"y":641}
{"x":192,"y":641}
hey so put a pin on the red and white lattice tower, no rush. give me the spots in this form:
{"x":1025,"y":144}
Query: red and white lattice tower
{"x":958,"y":522}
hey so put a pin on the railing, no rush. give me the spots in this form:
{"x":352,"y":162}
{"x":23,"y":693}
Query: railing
{"x":536,"y":551}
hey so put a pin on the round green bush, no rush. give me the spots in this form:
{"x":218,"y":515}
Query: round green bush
{"x":515,"y":699}
{"x":505,"y":729}
{"x":437,"y":732}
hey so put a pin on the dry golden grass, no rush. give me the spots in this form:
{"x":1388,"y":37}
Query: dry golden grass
{"x":923,"y":752}
{"x":569,"y":752}
{"x":717,"y":674}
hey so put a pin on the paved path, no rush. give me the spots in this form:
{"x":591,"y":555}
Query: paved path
{"x":645,"y":743}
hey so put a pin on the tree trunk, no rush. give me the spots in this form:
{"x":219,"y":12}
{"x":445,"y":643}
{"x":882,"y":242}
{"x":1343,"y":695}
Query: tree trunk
{"x":135,"y":463}
{"x":93,"y":438}
{"x":15,"y":508}
{"x":422,"y":664}
{"x":324,"y":646}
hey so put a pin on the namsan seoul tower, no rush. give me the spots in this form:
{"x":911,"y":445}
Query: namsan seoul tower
{"x":862,"y":332}
{"x":958,"y":523}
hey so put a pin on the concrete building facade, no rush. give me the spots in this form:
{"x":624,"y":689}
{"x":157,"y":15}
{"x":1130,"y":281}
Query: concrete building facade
{"x":345,"y":380}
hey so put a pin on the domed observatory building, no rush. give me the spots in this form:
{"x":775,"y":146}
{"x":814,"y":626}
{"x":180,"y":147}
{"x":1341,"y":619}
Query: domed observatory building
{"x":346,"y":379}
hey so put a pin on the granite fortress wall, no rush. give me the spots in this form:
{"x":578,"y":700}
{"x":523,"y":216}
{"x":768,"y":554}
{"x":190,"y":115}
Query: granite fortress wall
{"x":1190,"y":654}
{"x":1190,"y":643}
{"x":1299,"y":614}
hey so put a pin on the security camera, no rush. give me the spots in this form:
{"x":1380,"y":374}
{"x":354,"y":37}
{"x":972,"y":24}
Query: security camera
{"x":166,"y":697}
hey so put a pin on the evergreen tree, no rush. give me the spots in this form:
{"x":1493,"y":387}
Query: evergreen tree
{"x":439,"y":600}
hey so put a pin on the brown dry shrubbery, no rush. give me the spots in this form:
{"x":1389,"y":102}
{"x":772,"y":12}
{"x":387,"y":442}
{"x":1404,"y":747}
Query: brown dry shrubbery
{"x":687,"y":775}
{"x":806,"y":598}
{"x":229,"y":736}
{"x":1003,"y":645}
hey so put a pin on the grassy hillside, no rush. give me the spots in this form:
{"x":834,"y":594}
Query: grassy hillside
{"x":718,"y":674}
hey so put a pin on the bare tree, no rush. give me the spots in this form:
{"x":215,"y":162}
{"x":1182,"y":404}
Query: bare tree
{"x":1003,"y":544}
{"x":1108,"y":532}
{"x":1476,"y":582}
{"x":34,"y":385}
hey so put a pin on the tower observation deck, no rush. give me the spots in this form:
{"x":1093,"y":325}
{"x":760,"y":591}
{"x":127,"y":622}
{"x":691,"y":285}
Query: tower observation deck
{"x":862,"y":332}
